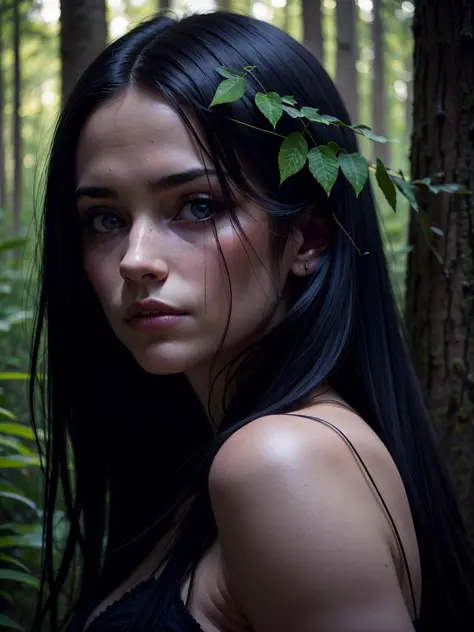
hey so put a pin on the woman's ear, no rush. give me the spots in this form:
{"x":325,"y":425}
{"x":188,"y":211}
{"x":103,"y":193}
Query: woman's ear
{"x":313,"y":235}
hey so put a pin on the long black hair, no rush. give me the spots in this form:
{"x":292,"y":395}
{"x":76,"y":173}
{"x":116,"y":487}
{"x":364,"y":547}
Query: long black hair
{"x":123,"y":449}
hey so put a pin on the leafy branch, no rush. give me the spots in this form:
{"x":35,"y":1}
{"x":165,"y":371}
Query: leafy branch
{"x":326,"y":161}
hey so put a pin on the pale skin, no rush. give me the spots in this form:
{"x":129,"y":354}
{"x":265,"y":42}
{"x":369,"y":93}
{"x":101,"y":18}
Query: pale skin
{"x":303,"y":544}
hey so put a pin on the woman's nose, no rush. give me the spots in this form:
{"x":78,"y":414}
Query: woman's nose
{"x":144,"y":258}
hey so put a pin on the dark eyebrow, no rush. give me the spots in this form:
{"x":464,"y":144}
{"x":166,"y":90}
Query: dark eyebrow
{"x":172,"y":181}
{"x":95,"y":192}
{"x":178,"y":179}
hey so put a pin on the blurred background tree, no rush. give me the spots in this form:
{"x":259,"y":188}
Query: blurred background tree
{"x":83,"y":35}
{"x":367,"y":47}
{"x":440,"y":298}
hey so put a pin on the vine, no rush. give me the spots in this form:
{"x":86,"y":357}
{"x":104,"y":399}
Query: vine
{"x":325,"y":162}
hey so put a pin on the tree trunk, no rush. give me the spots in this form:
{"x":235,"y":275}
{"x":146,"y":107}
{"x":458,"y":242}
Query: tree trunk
{"x":224,"y":5}
{"x":164,"y":5}
{"x":3,"y":174}
{"x":83,"y":37}
{"x":312,"y":28}
{"x":440,"y":298}
{"x":287,"y":17}
{"x":17,"y":139}
{"x":346,"y":73}
{"x":379,"y":89}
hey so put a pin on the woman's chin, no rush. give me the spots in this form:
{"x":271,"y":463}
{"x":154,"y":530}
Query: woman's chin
{"x":160,"y":361}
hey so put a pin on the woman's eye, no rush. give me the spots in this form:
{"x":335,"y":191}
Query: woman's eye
{"x":103,"y":222}
{"x":199,"y":210}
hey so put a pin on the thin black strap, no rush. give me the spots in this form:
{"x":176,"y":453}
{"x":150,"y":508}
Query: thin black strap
{"x":389,"y":515}
{"x":333,"y":402}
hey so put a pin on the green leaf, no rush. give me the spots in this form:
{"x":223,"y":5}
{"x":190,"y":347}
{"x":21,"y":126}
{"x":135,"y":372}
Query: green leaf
{"x":6,"y":413}
{"x":20,"y":499}
{"x":324,"y":166}
{"x":6,"y":622}
{"x":16,"y":445}
{"x":18,"y":576}
{"x":25,"y":528}
{"x":333,"y":120}
{"x":31,"y":540}
{"x":14,"y":375}
{"x":292,"y":156}
{"x":363,"y":130}
{"x":18,"y":430}
{"x":5,"y":486}
{"x":437,"y":231}
{"x":386,"y":184}
{"x":293,"y":112}
{"x":443,"y":188}
{"x":229,"y":90}
{"x":6,"y":596}
{"x":288,"y":100}
{"x":9,"y":559}
{"x":228,"y":73}
{"x":356,"y":169}
{"x":313,"y":115}
{"x":270,"y":106}
{"x":406,"y":189}
{"x":18,"y":460}
{"x":10,"y":244}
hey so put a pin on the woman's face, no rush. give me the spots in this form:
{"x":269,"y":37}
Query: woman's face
{"x":146,"y":196}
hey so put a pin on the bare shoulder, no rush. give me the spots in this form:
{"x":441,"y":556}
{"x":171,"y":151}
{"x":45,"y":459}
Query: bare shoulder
{"x":335,"y":452}
{"x":282,"y":441}
{"x":287,"y":479}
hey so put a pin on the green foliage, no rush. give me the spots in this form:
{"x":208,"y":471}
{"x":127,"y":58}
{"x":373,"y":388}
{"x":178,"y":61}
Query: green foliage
{"x":293,"y":155}
{"x":386,"y":184}
{"x":356,"y":169}
{"x":325,"y":162}
{"x":20,"y":536}
{"x":229,"y":90}
{"x":270,"y":105}
{"x":324,"y":165}
{"x":6,"y":622}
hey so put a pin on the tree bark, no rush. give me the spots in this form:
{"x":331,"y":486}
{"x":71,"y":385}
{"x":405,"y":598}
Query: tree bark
{"x":3,"y":174}
{"x":346,"y":73}
{"x":312,"y":28}
{"x":440,"y":298}
{"x":379,"y":89}
{"x":83,"y":37}
{"x":17,"y":139}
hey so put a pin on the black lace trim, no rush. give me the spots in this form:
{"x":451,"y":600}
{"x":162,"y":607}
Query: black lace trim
{"x":126,"y":595}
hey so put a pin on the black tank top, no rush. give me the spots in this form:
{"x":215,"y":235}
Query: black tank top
{"x":118,"y":615}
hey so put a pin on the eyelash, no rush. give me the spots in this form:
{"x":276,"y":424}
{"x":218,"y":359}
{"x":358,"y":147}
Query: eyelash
{"x":96,"y":212}
{"x":218,"y":207}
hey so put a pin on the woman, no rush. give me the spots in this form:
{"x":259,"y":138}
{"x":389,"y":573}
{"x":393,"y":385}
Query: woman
{"x":250,"y":446}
